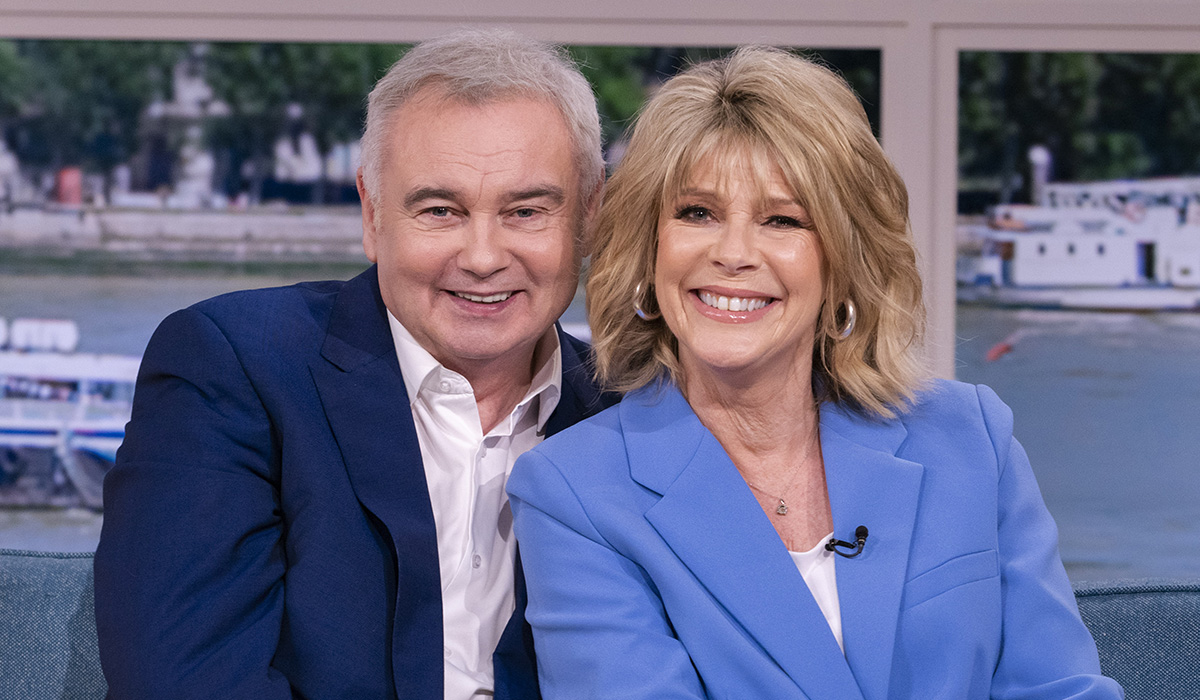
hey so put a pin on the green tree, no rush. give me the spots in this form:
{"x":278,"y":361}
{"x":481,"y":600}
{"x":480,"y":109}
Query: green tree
{"x":1102,"y":115}
{"x":89,"y":99}
{"x":618,"y":76}
{"x":14,"y":83}
{"x":329,"y":83}
{"x":859,"y":67}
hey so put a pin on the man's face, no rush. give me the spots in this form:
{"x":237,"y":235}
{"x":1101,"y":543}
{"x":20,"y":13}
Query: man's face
{"x":475,"y":226}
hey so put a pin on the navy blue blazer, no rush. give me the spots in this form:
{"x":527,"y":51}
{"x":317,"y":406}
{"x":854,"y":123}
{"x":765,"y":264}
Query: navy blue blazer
{"x":654,"y":573}
{"x":268,"y":531}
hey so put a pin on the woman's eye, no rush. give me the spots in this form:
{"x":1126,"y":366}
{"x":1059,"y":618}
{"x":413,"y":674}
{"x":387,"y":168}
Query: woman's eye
{"x":787,"y":222}
{"x":693,"y":213}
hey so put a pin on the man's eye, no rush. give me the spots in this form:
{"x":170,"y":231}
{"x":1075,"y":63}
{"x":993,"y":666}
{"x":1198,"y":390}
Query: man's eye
{"x":438,"y":211}
{"x":525,"y":212}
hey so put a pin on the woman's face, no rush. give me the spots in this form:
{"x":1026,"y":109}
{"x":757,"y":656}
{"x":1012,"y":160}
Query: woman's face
{"x":739,"y":271}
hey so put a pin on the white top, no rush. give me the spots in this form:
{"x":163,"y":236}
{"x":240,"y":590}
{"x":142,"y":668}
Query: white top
{"x":816,"y":566}
{"x":466,"y":472}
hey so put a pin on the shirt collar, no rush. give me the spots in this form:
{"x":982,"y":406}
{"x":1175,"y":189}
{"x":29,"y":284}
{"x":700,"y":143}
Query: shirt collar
{"x":416,"y":366}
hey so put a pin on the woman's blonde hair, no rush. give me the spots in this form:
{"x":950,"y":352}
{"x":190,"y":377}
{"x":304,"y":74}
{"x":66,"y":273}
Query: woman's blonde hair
{"x":807,"y":120}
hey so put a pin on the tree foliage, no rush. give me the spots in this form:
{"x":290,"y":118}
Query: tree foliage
{"x":14,"y":82}
{"x":1102,"y":115}
{"x":617,"y":75}
{"x":329,"y":82}
{"x":274,"y":90}
{"x":81,"y":101}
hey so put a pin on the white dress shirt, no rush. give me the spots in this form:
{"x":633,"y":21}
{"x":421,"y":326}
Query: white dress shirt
{"x":466,"y":472}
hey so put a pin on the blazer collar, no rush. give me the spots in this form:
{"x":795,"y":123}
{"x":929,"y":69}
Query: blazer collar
{"x":714,"y":524}
{"x":366,"y":404}
{"x":363,"y":393}
{"x":580,"y":398}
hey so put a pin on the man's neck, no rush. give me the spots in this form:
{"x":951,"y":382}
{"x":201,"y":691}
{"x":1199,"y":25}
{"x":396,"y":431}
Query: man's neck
{"x":499,"y":390}
{"x":500,"y":384}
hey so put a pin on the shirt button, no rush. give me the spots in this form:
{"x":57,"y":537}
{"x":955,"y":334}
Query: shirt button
{"x":476,"y":561}
{"x":445,"y":386}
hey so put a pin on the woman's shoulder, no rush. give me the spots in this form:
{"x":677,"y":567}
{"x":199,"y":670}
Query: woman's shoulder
{"x":587,"y":440}
{"x":646,"y":420}
{"x":956,"y":415}
{"x":587,"y":464}
{"x":950,"y":400}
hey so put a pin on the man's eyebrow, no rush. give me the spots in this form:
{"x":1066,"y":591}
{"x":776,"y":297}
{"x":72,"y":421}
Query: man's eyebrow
{"x":422,"y":194}
{"x":554,"y":194}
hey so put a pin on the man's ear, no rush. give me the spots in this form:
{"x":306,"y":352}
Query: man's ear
{"x":368,"y":218}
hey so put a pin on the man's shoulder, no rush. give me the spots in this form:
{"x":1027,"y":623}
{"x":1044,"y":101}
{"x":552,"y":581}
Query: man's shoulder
{"x":254,"y":306}
{"x":276,"y":326}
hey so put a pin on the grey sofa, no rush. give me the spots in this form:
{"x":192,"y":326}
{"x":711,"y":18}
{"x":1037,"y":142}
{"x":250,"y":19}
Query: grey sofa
{"x":1148,"y":631}
{"x":48,"y":627}
{"x":1148,"y":634}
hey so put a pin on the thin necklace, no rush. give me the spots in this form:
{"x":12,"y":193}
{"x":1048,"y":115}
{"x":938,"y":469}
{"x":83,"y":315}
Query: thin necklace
{"x":782,"y":508}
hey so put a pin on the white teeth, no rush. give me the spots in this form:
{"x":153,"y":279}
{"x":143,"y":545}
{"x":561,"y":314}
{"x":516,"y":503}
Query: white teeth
{"x":732,"y":303}
{"x":489,"y":299}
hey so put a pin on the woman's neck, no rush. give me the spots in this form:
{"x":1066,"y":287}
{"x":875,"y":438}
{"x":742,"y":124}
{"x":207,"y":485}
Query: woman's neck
{"x":756,"y":418}
{"x":770,"y":430}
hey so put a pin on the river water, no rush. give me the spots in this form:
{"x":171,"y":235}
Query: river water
{"x":1106,"y":404}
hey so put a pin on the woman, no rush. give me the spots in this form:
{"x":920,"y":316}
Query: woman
{"x":754,"y":291}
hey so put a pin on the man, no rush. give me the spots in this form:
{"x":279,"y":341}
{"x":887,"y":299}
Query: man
{"x":310,"y":498}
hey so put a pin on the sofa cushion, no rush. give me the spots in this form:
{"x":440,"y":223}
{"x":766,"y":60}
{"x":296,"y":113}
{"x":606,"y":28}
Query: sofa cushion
{"x":1148,"y":634}
{"x":48,"y":627}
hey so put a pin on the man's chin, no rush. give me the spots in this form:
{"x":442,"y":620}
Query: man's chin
{"x":472,"y":347}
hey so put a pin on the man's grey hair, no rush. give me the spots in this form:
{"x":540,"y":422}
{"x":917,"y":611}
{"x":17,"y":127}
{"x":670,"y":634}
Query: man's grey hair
{"x":479,"y":66}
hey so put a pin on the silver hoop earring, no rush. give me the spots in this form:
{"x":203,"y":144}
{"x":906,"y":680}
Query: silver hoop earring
{"x":637,"y":305}
{"x":851,"y":319}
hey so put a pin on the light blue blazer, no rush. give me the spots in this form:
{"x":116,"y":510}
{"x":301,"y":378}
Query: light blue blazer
{"x":654,"y":573}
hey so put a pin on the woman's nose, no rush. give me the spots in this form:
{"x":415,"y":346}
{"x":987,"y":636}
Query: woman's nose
{"x":735,"y":249}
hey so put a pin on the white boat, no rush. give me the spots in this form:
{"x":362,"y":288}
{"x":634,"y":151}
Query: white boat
{"x":1125,"y":244}
{"x":62,"y":414}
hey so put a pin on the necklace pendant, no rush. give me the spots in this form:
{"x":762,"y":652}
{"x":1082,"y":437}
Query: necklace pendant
{"x":782,"y":509}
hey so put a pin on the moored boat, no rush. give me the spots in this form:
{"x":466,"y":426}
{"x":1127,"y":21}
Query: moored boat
{"x":62,"y":415}
{"x":1127,"y":244}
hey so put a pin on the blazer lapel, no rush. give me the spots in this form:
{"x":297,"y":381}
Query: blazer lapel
{"x":713,"y":523}
{"x":869,"y":485}
{"x":366,"y":404}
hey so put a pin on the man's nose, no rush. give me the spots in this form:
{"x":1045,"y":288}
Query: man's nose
{"x":484,"y":252}
{"x":736,"y":247}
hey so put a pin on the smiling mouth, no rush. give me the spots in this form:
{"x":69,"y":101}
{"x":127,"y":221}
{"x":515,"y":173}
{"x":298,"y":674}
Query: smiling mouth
{"x":733,"y":303}
{"x":488,"y":299}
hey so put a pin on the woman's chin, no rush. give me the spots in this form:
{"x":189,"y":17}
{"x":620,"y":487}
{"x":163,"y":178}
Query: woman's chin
{"x":736,"y":368}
